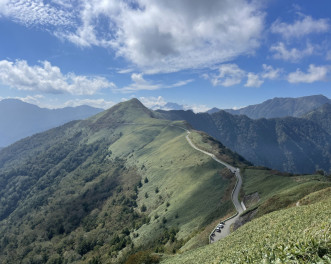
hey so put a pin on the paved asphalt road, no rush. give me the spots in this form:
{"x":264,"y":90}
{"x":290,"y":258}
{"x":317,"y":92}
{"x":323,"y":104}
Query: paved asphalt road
{"x":240,"y":207}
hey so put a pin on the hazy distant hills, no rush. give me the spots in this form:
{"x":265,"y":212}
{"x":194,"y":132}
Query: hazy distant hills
{"x":19,"y":119}
{"x":280,"y":107}
{"x":300,"y":145}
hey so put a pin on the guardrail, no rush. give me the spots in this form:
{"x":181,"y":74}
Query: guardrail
{"x":233,"y":216}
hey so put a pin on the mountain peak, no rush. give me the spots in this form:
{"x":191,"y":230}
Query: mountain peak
{"x":129,"y":111}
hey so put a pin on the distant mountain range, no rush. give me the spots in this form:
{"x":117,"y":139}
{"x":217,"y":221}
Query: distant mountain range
{"x":280,"y":107}
{"x":299,"y":145}
{"x":19,"y":119}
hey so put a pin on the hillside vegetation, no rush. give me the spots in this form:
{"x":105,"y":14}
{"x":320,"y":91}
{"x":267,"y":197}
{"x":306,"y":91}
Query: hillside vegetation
{"x":297,"y":145}
{"x":118,"y":184}
{"x":300,"y":234}
{"x":275,"y":190}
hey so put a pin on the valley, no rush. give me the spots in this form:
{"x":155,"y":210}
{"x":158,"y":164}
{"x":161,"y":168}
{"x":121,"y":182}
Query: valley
{"x":126,"y":186}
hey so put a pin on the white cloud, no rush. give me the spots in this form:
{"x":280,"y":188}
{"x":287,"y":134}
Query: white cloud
{"x":307,"y":25}
{"x":139,"y":84}
{"x":253,"y":80}
{"x":229,"y":75}
{"x":160,"y":103}
{"x":196,"y":108}
{"x":98,"y":103}
{"x":281,"y":52}
{"x":180,"y":83}
{"x":314,"y":74}
{"x":48,"y":79}
{"x":154,"y":102}
{"x":36,"y":12}
{"x":269,"y":72}
{"x":156,"y":36}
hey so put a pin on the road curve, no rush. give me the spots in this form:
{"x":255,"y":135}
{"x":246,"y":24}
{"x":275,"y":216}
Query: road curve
{"x":240,"y":207}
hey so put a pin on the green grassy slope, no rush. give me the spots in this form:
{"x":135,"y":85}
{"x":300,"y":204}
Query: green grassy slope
{"x":299,"y":234}
{"x":278,"y":190}
{"x":98,"y":190}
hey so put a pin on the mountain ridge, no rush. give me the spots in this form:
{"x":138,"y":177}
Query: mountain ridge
{"x":282,"y":107}
{"x":279,"y":143}
{"x":119,"y":181}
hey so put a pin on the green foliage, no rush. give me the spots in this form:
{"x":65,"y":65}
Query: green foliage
{"x":295,"y":235}
{"x":278,"y":190}
{"x":143,"y":257}
{"x":143,"y":208}
{"x":74,"y":193}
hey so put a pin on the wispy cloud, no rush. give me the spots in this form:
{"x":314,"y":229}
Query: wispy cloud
{"x":36,"y":12}
{"x":314,"y":74}
{"x":48,"y":79}
{"x":293,"y":54}
{"x":139,"y":83}
{"x":98,"y":103}
{"x":302,"y":27}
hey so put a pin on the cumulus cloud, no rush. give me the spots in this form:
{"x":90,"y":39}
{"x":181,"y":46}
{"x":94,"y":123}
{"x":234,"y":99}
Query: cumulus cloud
{"x":155,"y":36}
{"x":229,"y":74}
{"x":314,"y":74}
{"x":153,"y":102}
{"x":294,"y":54}
{"x":48,"y":79}
{"x":305,"y":26}
{"x":253,"y":80}
{"x":160,"y":103}
{"x":232,"y":74}
{"x":269,"y":72}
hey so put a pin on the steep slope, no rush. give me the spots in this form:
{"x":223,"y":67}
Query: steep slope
{"x":19,"y":119}
{"x":282,"y":107}
{"x":287,"y":144}
{"x":101,"y":189}
{"x":296,"y":235}
{"x":321,"y":116}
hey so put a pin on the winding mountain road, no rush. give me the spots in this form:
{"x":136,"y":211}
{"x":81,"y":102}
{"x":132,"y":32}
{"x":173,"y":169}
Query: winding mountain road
{"x":240,"y":207}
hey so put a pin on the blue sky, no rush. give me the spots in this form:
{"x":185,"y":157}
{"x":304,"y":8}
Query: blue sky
{"x":197,"y":53}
